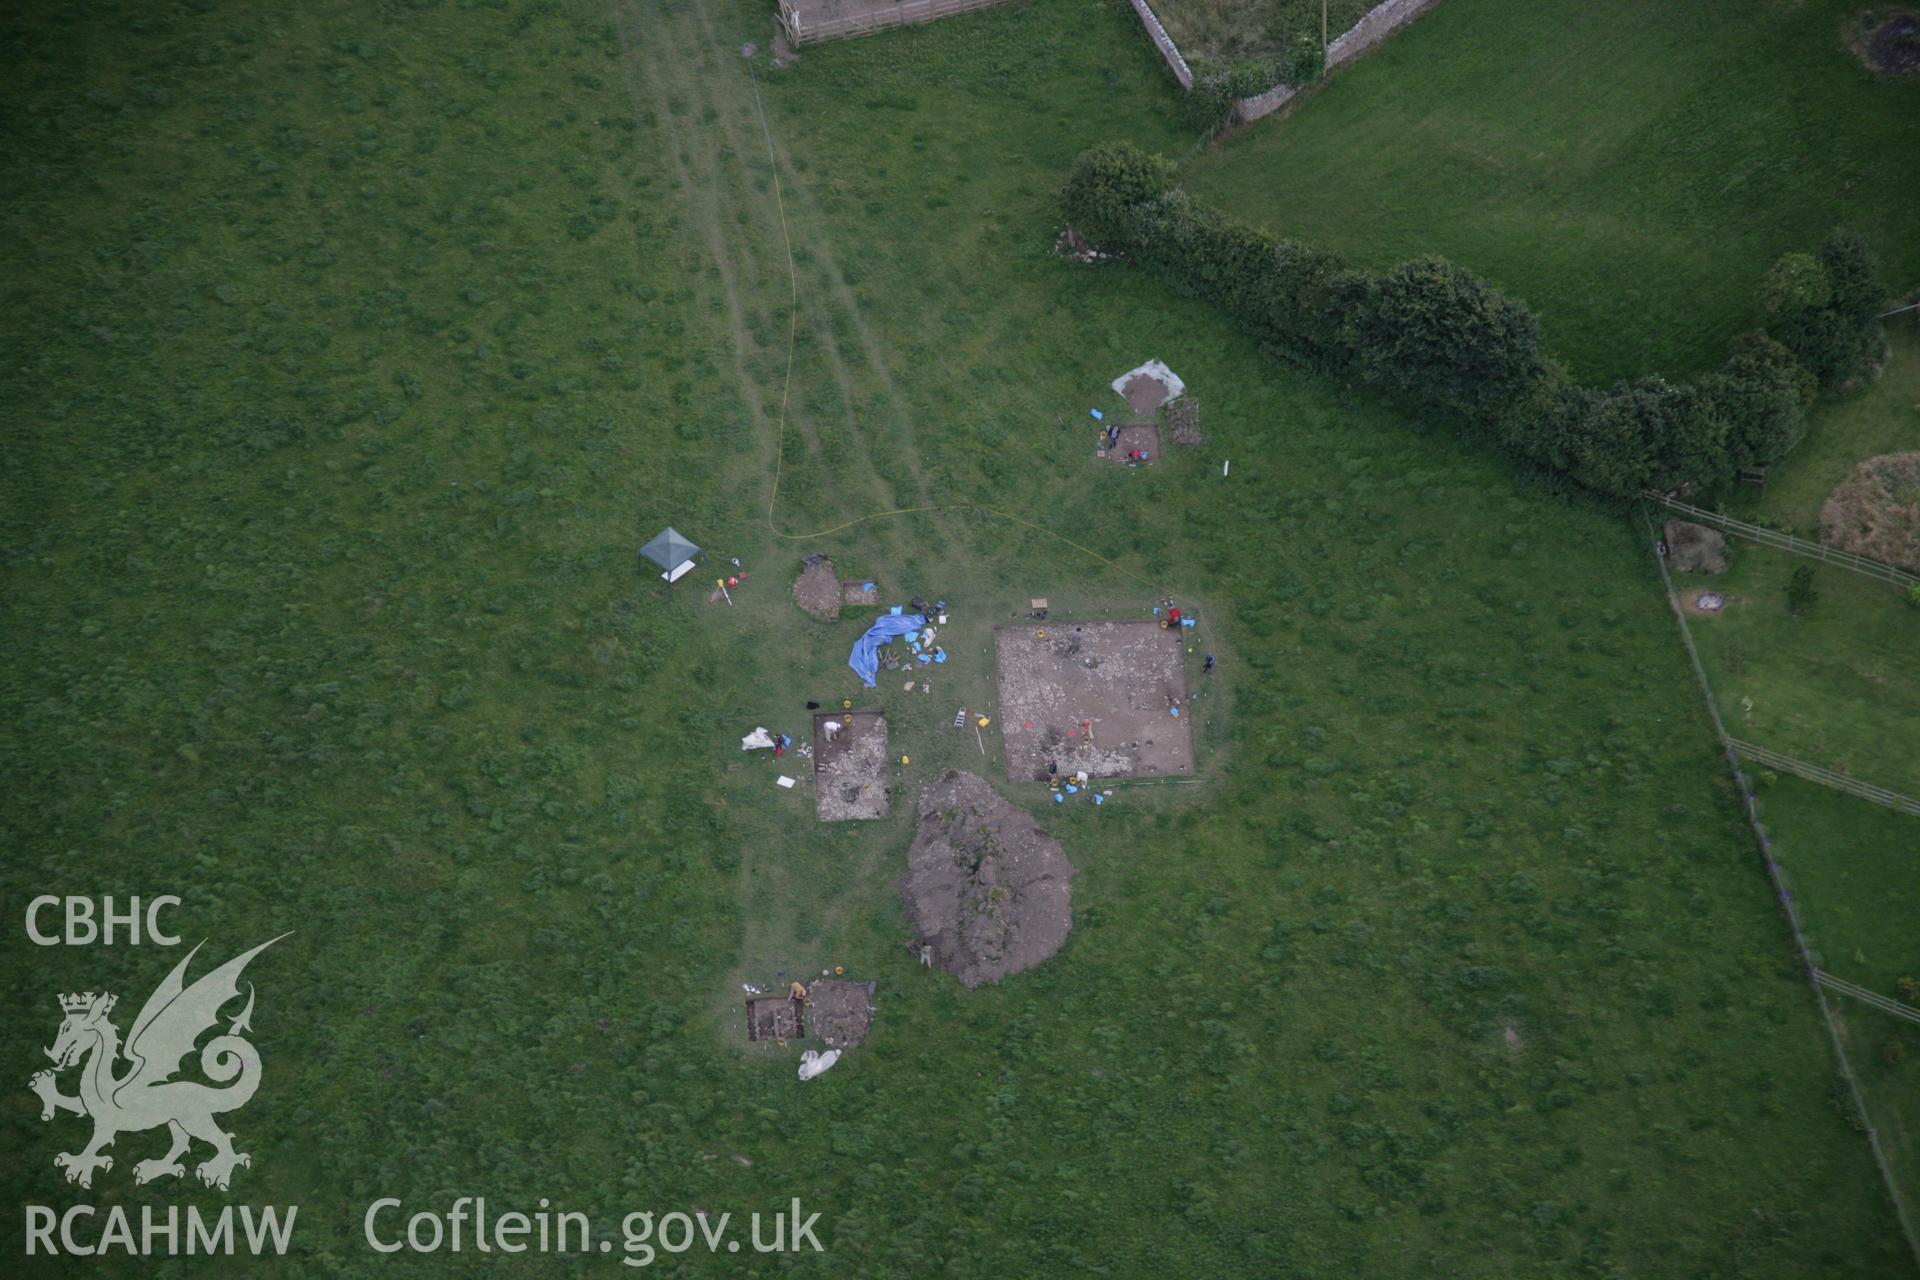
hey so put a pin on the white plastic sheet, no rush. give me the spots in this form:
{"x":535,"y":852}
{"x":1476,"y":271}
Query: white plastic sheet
{"x":812,"y":1063}
{"x":1158,"y":372}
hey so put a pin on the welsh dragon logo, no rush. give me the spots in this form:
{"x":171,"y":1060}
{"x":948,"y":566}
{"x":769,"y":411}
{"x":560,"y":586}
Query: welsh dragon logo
{"x":146,"y":1095}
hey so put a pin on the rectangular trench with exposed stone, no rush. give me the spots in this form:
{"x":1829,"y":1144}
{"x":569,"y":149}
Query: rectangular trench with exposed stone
{"x":851,"y":774}
{"x":1094,"y":696}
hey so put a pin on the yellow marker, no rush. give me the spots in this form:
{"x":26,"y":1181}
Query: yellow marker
{"x":904,"y":760}
{"x":846,"y":704}
{"x":838,"y":970}
{"x":983,"y":722}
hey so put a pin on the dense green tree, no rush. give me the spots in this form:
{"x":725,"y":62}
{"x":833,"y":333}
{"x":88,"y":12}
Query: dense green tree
{"x":1616,"y":444}
{"x":1763,"y":394}
{"x":1436,"y":331}
{"x":1108,"y":183}
{"x":1824,"y":307}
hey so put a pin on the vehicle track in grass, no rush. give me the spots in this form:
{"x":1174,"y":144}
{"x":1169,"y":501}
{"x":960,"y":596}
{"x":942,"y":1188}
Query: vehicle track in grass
{"x":717,"y":140}
{"x":664,"y":95}
{"x":675,"y":60}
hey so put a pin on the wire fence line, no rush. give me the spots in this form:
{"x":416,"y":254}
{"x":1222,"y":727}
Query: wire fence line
{"x":1826,"y":777}
{"x":1866,"y":996}
{"x":1787,"y":542}
{"x":1785,"y":896}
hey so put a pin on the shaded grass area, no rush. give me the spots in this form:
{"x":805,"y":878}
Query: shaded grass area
{"x":1882,"y":418}
{"x":1850,"y":867}
{"x":354,"y":368}
{"x":1837,"y":687}
{"x":1628,"y":170}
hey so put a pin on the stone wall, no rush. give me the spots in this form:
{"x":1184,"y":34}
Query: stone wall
{"x":1374,"y":26}
{"x":1164,"y":43}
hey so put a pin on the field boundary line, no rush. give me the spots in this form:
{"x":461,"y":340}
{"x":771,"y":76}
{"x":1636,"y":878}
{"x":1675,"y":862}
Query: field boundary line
{"x":1787,"y":542}
{"x":1781,"y":893}
{"x":1826,"y":777}
{"x":1865,"y":996}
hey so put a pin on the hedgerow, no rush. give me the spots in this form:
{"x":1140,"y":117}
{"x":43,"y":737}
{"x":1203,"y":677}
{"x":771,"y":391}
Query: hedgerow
{"x":1440,"y":339}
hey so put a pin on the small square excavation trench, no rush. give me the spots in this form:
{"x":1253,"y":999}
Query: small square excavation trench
{"x":1144,"y":436}
{"x":859,"y":591}
{"x":1097,"y":696}
{"x":851,"y":775}
{"x":775,"y":1018}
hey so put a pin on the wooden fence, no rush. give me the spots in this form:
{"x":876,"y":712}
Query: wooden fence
{"x":1787,"y":542}
{"x":808,"y":29}
{"x":1872,"y":999}
{"x":1826,"y":777}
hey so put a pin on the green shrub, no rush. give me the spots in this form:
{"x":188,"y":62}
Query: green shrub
{"x":1801,"y":593}
{"x":1304,"y":61}
{"x":1107,"y":183}
{"x":1217,"y":87}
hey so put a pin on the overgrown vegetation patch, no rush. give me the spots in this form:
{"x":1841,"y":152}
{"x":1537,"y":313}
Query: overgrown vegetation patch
{"x":1876,"y":511}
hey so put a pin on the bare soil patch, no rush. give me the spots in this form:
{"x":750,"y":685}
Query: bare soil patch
{"x":783,"y":52}
{"x":1888,"y":41}
{"x":817,"y":590}
{"x":1695,"y":548}
{"x":986,"y":888}
{"x":842,"y":1011}
{"x":1093,"y":696}
{"x":859,"y":591}
{"x":1143,"y":436}
{"x":1144,"y":393}
{"x":851,"y":777}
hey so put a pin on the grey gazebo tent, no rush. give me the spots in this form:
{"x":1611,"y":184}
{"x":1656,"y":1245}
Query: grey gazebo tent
{"x":669,"y":549}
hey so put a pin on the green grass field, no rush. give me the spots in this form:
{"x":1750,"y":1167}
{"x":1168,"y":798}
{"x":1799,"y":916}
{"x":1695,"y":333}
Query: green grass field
{"x":355,"y":351}
{"x":1628,"y":169}
{"x":1838,"y":687}
{"x":1850,"y":868}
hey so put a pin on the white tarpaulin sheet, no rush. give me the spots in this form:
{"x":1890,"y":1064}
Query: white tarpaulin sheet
{"x":758,"y":740}
{"x":1158,"y":372}
{"x":812,"y":1063}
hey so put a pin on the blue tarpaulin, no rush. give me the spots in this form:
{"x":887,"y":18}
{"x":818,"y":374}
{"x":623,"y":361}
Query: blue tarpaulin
{"x":865,"y":658}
